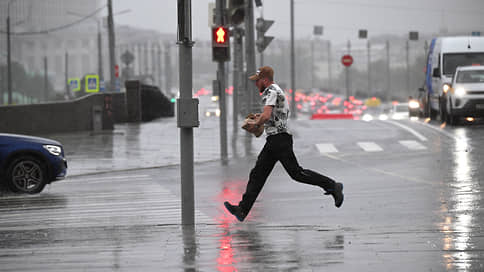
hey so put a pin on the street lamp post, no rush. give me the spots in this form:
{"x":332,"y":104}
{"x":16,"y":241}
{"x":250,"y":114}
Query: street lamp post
{"x":112,"y":46}
{"x":293,"y":64}
{"x":9,"y":56}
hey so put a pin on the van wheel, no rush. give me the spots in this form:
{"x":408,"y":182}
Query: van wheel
{"x":26,"y":174}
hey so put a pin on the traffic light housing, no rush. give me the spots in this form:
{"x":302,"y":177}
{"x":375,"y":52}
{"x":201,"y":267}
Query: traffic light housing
{"x":263,"y":41}
{"x":220,"y":43}
{"x":236,"y":11}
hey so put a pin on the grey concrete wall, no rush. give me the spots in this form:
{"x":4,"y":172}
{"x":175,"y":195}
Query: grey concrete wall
{"x":76,"y":115}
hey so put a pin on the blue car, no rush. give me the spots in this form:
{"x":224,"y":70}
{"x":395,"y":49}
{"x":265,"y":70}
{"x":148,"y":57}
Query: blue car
{"x":29,"y":163}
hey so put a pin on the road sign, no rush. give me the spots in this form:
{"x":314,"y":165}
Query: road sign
{"x":102,"y":86}
{"x":413,"y":35}
{"x":116,"y":71}
{"x":347,"y":60}
{"x":92,"y":83}
{"x":127,"y":57}
{"x":74,"y":84}
{"x":318,"y":30}
{"x":117,"y":86}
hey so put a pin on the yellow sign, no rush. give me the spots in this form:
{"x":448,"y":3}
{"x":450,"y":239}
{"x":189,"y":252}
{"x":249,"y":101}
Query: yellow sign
{"x":92,"y":83}
{"x":373,"y":102}
{"x":74,"y":84}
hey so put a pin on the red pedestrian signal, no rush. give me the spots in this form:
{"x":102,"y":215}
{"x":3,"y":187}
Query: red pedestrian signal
{"x":220,"y":43}
{"x":220,"y":36}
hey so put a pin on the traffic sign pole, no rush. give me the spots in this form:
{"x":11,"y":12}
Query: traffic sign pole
{"x":222,"y":38}
{"x":347,"y":61}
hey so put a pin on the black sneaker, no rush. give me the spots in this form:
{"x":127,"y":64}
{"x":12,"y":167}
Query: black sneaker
{"x":235,"y":210}
{"x":337,"y":193}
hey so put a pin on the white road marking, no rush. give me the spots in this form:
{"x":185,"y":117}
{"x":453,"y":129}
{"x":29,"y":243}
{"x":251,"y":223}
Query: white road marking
{"x":412,"y":145}
{"x":142,"y":202}
{"x":326,"y":148}
{"x":414,"y":132}
{"x":370,"y":146}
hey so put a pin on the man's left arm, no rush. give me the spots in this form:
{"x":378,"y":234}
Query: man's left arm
{"x":264,"y":116}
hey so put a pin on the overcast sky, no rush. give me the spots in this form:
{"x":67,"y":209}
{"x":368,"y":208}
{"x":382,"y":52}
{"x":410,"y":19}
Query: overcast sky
{"x":341,"y":18}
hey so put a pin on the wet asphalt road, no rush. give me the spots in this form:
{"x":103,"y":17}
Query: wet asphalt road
{"x":413,"y":202}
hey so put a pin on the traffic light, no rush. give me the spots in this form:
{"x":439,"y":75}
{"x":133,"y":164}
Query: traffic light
{"x":220,"y":43}
{"x":236,"y":11}
{"x":262,"y":26}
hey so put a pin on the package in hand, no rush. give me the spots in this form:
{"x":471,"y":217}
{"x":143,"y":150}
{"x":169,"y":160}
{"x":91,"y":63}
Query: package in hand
{"x":250,"y":126}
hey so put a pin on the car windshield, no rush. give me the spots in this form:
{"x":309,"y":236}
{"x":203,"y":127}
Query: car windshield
{"x":473,"y":76}
{"x":452,"y":61}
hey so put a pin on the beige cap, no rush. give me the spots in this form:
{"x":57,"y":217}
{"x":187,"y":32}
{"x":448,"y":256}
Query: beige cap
{"x":265,"y":71}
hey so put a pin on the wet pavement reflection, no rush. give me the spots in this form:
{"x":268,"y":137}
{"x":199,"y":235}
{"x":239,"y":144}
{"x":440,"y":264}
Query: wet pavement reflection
{"x":462,"y":204}
{"x":257,"y":246}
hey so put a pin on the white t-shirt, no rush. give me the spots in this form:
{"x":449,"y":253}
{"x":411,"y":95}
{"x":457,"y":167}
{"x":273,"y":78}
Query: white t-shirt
{"x":274,"y":96}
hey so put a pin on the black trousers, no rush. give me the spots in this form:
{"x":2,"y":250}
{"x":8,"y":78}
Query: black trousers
{"x":279,"y":147}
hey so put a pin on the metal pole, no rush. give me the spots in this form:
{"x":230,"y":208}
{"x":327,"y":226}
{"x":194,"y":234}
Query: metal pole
{"x":369,"y":66}
{"x":158,"y":62}
{"x":389,"y":76}
{"x":68,"y":93}
{"x":167,"y":68}
{"x":407,"y":49}
{"x":293,"y":72}
{"x":312,"y":64}
{"x":99,"y":52}
{"x":330,"y":77}
{"x":46,"y":80}
{"x":186,"y":133}
{"x":237,"y":79}
{"x":220,"y":4}
{"x":112,"y":46}
{"x":9,"y":59}
{"x":347,"y":71}
{"x":146,"y":58}
{"x":250,"y":68}
{"x":261,"y":59}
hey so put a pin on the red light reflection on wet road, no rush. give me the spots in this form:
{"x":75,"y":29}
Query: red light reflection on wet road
{"x":232,"y":192}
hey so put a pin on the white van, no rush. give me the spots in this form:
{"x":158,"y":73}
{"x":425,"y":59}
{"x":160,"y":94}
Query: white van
{"x":444,"y":56}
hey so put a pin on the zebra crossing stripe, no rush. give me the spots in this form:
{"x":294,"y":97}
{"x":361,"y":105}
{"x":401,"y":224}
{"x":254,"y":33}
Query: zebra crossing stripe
{"x":140,"y":203}
{"x":370,"y":146}
{"x":326,"y":148}
{"x":413,"y":145}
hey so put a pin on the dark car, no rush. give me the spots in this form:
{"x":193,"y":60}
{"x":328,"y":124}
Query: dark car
{"x":28,"y":163}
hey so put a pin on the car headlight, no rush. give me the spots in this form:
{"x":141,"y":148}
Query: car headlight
{"x":446,"y":88}
{"x":413,"y":104}
{"x":53,"y":149}
{"x":460,"y":92}
{"x":383,"y":117}
{"x":367,"y":117}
